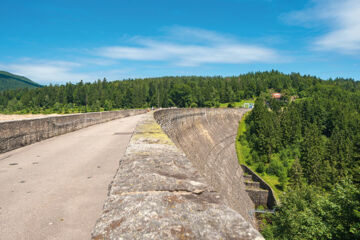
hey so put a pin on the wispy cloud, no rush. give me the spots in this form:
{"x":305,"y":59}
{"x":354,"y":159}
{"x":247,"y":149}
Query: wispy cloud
{"x":179,"y":48}
{"x":46,"y":71}
{"x":341,"y":18}
{"x":191,"y":47}
{"x":60,"y":72}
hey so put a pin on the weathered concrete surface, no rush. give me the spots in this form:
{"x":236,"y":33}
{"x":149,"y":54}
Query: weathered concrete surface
{"x":158,"y":193}
{"x":264,"y":198}
{"x":207,"y":136}
{"x":56,"y":188}
{"x":14,"y":117}
{"x":15,"y":134}
{"x":258,"y":196}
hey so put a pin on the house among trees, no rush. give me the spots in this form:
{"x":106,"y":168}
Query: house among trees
{"x":276,"y":95}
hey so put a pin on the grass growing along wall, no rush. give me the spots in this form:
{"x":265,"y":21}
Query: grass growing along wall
{"x":237,"y":104}
{"x":243,"y":153}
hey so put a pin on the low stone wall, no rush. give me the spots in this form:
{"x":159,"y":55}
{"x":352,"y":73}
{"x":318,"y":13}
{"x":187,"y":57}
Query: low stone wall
{"x":158,"y":193}
{"x":207,"y":136}
{"x":259,"y":197}
{"x":15,"y":134}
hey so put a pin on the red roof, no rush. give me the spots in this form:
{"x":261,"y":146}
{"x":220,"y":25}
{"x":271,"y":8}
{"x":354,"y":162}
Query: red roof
{"x":276,"y":95}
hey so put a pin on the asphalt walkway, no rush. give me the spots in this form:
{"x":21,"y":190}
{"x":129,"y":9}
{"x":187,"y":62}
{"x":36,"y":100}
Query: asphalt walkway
{"x":55,"y":189}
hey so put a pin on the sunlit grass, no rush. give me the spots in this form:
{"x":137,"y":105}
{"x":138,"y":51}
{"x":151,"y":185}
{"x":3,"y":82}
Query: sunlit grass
{"x":243,"y":153}
{"x":238,"y":104}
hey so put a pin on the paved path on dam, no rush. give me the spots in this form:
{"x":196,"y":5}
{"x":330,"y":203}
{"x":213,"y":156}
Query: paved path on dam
{"x":55,"y":189}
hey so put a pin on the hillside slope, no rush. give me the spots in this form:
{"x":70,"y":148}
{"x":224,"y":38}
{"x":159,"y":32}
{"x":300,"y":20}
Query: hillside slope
{"x":12,"y":81}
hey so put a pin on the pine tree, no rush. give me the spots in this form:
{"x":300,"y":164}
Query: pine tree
{"x":295,"y":174}
{"x":312,"y":155}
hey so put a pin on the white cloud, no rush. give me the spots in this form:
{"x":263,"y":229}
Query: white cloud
{"x":44,"y":72}
{"x":191,"y":47}
{"x":179,"y":46}
{"x":60,"y":72}
{"x":201,"y":36}
{"x":342,"y":19}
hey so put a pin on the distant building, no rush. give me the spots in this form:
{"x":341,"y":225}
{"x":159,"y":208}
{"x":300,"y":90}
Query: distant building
{"x":248,"y":105}
{"x":276,"y":95}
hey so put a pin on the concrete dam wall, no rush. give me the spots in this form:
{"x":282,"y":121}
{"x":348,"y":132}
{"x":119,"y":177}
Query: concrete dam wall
{"x":207,"y":136}
{"x":15,"y":134}
{"x":180,"y":180}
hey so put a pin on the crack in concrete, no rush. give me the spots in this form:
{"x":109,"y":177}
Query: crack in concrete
{"x":176,"y":192}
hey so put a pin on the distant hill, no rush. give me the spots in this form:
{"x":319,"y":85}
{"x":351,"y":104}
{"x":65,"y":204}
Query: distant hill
{"x":12,"y":81}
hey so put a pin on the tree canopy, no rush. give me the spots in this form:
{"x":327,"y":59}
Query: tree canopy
{"x":190,"y":91}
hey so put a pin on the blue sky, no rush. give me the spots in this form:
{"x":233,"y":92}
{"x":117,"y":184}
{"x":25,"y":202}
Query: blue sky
{"x":66,"y":41}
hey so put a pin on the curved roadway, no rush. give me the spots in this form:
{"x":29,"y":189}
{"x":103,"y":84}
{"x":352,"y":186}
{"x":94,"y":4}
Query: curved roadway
{"x":55,"y":189}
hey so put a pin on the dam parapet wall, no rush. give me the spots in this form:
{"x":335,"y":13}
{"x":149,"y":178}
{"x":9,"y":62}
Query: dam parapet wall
{"x":15,"y":134}
{"x":159,"y":193}
{"x":207,"y":136}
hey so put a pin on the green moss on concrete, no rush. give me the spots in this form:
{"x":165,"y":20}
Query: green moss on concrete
{"x":151,"y":130}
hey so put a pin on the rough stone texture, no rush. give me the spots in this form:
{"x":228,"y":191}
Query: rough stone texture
{"x":157,"y":193}
{"x":252,"y":184}
{"x":207,"y":136}
{"x":259,"y":197}
{"x":15,"y":134}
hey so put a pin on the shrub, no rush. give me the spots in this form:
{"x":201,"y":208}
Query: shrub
{"x":255,"y":156}
{"x":275,"y":168}
{"x":260,"y":168}
{"x":282,"y":179}
{"x":193,"y":105}
{"x":249,"y":161}
{"x":231,"y":105}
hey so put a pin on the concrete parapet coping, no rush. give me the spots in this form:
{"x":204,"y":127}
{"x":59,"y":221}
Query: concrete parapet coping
{"x":157,"y":193}
{"x":19,"y":133}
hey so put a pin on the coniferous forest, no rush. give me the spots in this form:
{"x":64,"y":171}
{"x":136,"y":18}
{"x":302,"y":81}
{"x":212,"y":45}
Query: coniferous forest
{"x":158,"y":92}
{"x":312,"y":146}
{"x":309,"y":139}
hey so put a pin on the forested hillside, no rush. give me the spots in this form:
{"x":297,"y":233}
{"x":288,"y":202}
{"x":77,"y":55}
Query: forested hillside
{"x":12,"y":81}
{"x":312,"y":146}
{"x":308,"y":141}
{"x":160,"y":92}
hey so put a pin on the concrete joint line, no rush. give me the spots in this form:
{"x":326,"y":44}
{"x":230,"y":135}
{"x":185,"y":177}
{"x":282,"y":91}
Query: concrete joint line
{"x":176,"y":192}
